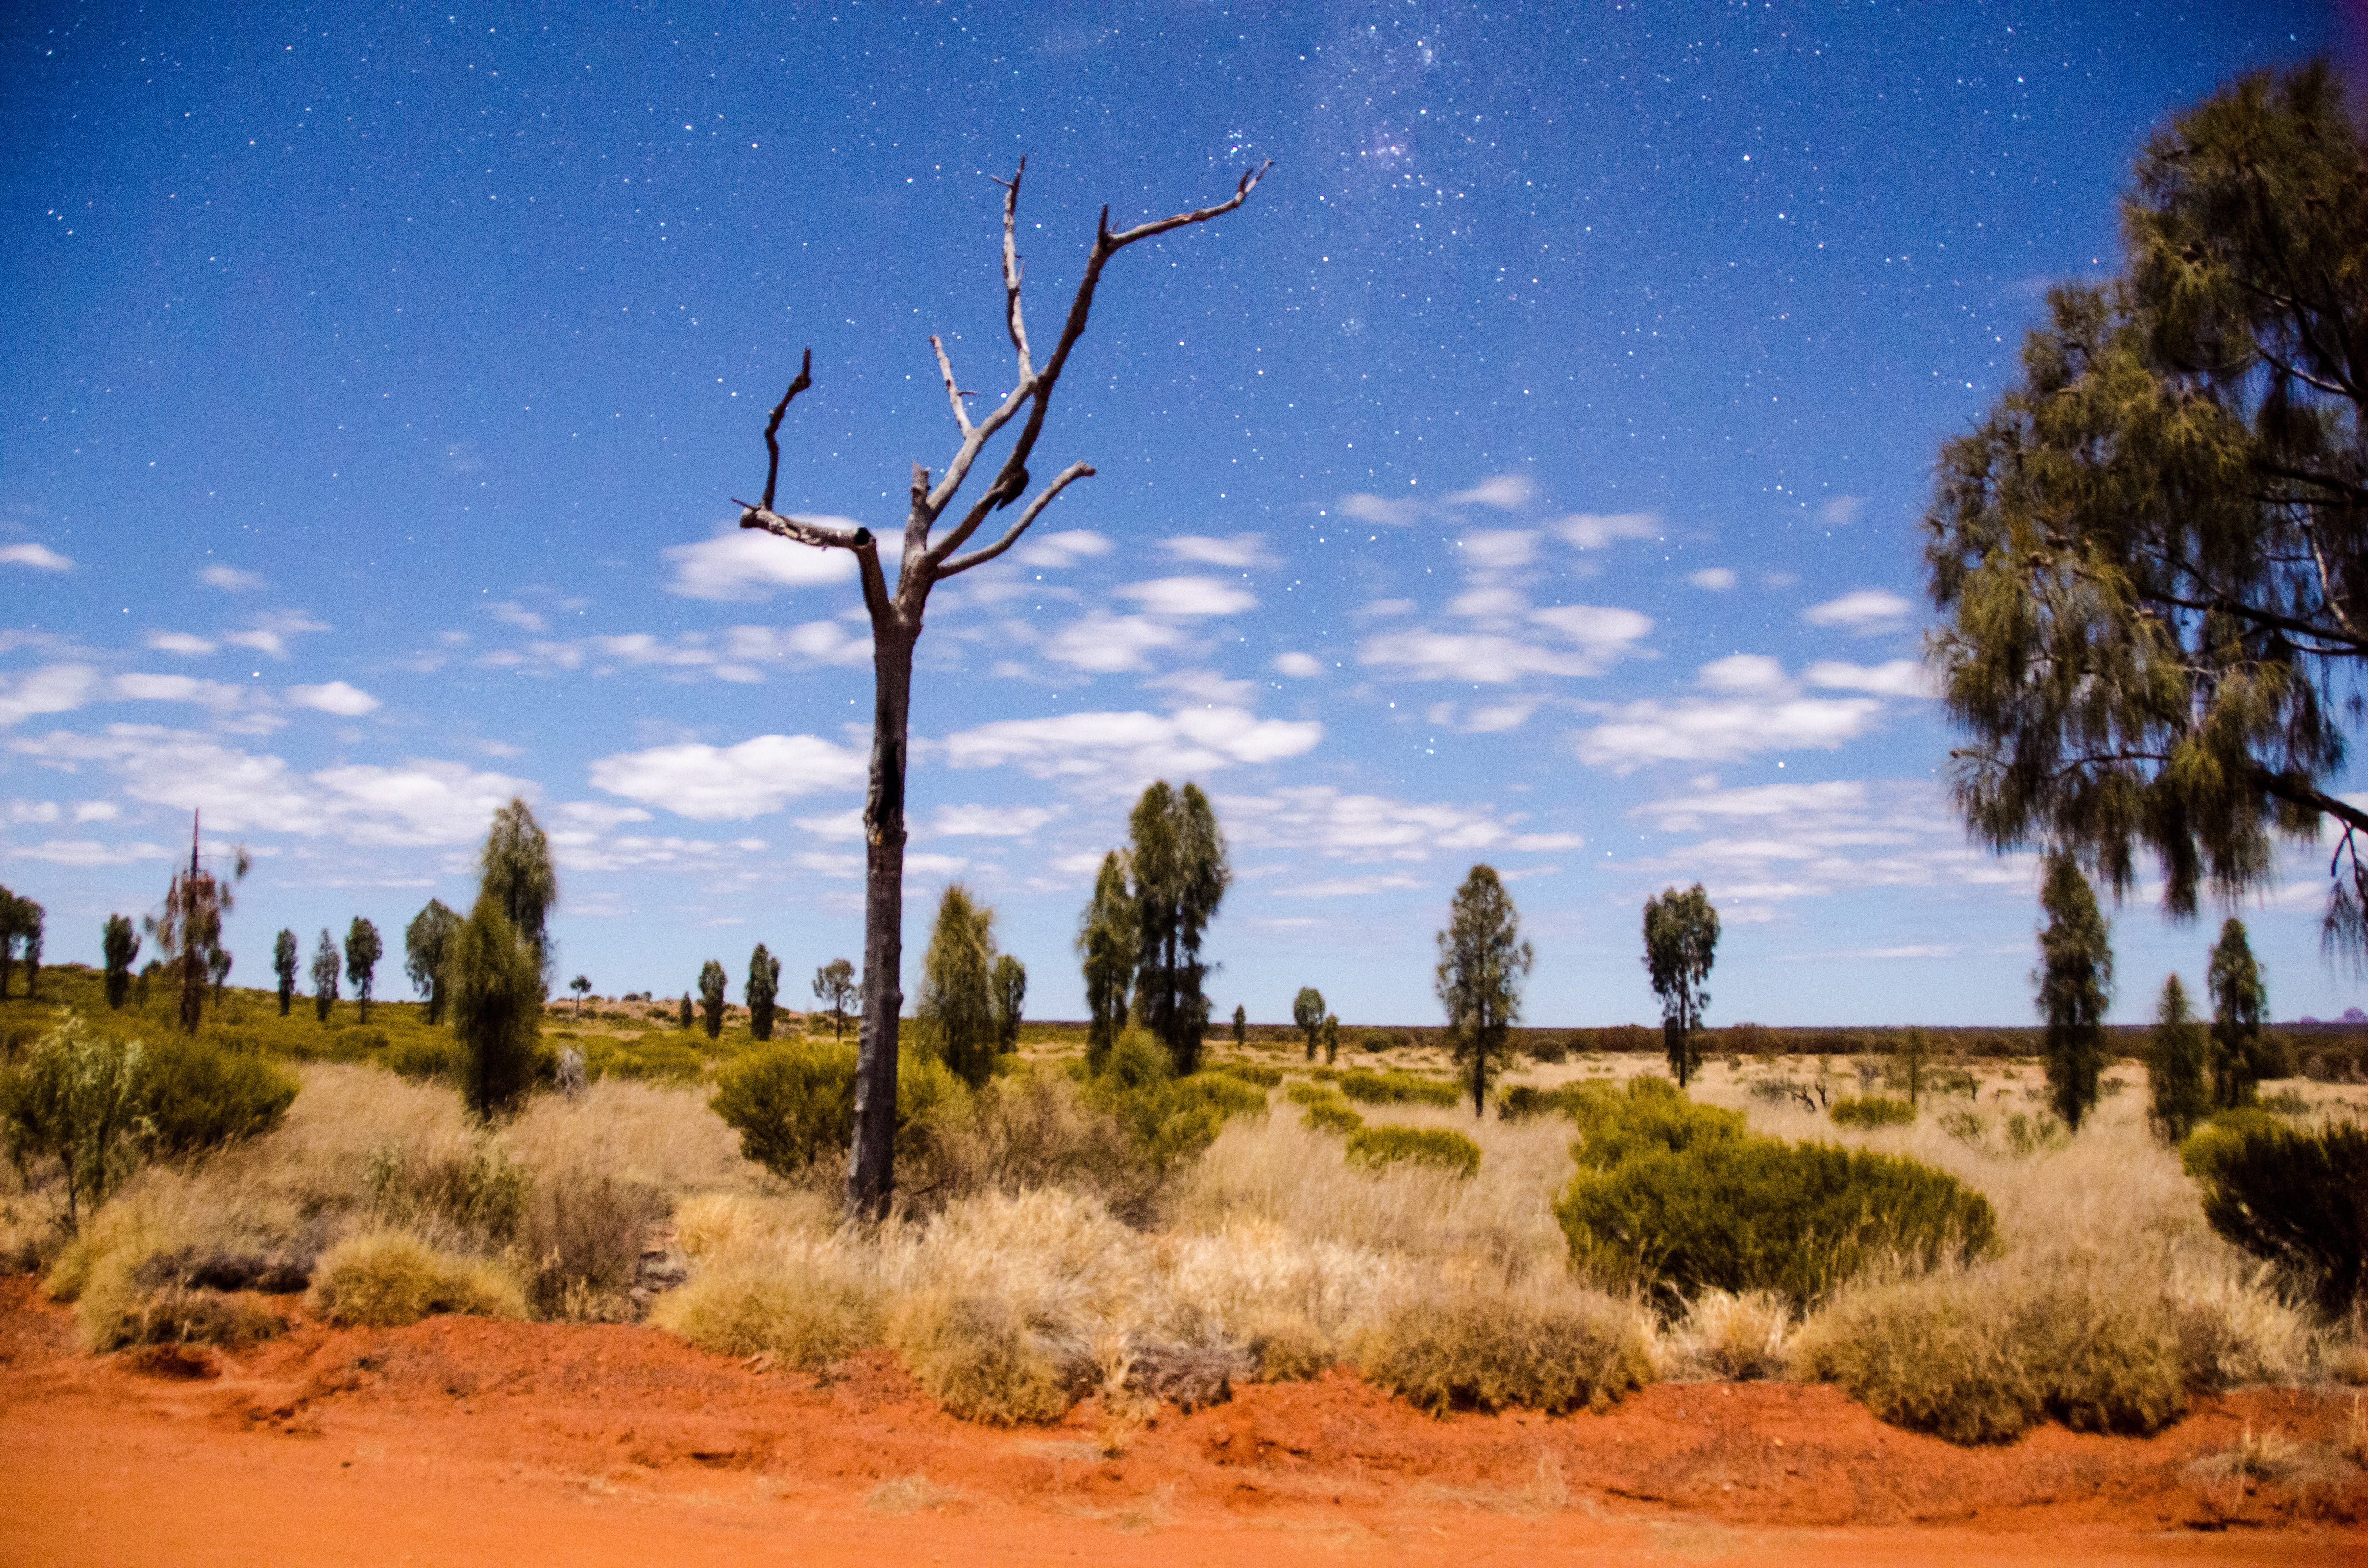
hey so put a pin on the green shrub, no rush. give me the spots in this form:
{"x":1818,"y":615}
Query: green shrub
{"x":1396,"y":1087}
{"x":385,"y":1280}
{"x":1374,"y":1147}
{"x":808,"y":1319}
{"x":77,"y":1099}
{"x":1549,"y":1047}
{"x":1265,"y":1078}
{"x":1523,"y":1101}
{"x":982,"y":1361}
{"x":579,"y":1242}
{"x":2299,"y":1199}
{"x":1740,"y":1213}
{"x":196,"y":1096}
{"x":1476,"y":1352}
{"x":1874,"y":1110}
{"x":793,"y":1104}
{"x":476,"y":1190}
{"x":662,"y":1060}
{"x":1167,"y":1118}
{"x":2226,"y":1132}
{"x":1331,"y":1115}
{"x":1650,"y":1115}
{"x":1026,"y":1130}
{"x":1310,"y":1094}
{"x":423,"y":1055}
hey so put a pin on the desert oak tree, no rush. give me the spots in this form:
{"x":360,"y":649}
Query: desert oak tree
{"x":1681,"y":945}
{"x":896,"y":612}
{"x":1483,"y":961}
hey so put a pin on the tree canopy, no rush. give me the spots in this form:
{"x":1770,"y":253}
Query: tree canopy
{"x":2076,"y":987}
{"x":517,"y":869}
{"x":2151,"y":557}
{"x":1180,"y":875}
{"x":363,"y":949}
{"x":1483,"y":963}
{"x":1681,"y":945}
{"x":1108,"y":941}
{"x":957,"y":1003}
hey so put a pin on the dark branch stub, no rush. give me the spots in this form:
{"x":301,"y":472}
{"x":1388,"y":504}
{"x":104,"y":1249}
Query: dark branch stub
{"x":773,"y":426}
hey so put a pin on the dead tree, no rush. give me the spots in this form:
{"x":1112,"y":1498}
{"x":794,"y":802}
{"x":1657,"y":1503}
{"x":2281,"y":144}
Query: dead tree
{"x":896,"y":614}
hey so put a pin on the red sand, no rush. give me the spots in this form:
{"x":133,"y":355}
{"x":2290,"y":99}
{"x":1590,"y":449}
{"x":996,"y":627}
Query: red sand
{"x":463,"y":1440}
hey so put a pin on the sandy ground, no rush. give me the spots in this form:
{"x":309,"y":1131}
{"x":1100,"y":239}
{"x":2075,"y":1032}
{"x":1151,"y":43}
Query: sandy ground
{"x":463,"y":1440}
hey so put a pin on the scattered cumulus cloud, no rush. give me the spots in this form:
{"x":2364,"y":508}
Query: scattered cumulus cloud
{"x":1500,"y":550}
{"x":1505,"y":492}
{"x":1841,"y":511}
{"x":1866,"y":610}
{"x":221,"y":695}
{"x":749,"y":563}
{"x":1299,"y":666}
{"x":1894,"y":677}
{"x":988,"y":822}
{"x":1327,"y":820}
{"x":1123,"y":749}
{"x":1584,"y":640}
{"x":1717,"y":579}
{"x":1752,"y":706}
{"x":1771,"y":843}
{"x":40,"y":557}
{"x":1350,"y":887}
{"x":1241,"y":551}
{"x":230,"y":579}
{"x":1189,"y":597}
{"x":52,"y":689}
{"x":728,"y":783}
{"x":1593,"y":530}
{"x":1102,"y":645}
{"x":270,"y":632}
{"x":1066,"y":548}
{"x":333,"y":697}
{"x":1378,"y":509}
{"x":511,"y":613}
{"x":188,"y":644}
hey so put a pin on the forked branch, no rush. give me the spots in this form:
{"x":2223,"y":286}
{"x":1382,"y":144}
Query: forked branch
{"x":773,"y":426}
{"x":1067,"y":476}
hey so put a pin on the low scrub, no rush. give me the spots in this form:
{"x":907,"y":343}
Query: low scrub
{"x":1168,"y":1119}
{"x":807,"y":1318}
{"x":1522,"y":1102}
{"x":1263,"y":1077}
{"x":1488,"y":1351}
{"x":1396,"y":1087}
{"x":793,"y":1104}
{"x":646,"y":1060}
{"x":1872,"y":1111}
{"x":1438,"y":1147}
{"x":119,"y":1309}
{"x":385,"y":1280}
{"x":197,"y":1097}
{"x":1025,"y":1129}
{"x":979,"y":1357}
{"x":1675,"y":1199}
{"x":1733,"y":1338}
{"x":1331,"y":1114}
{"x":2297,"y":1200}
{"x":579,"y":1243}
{"x":470,"y":1191}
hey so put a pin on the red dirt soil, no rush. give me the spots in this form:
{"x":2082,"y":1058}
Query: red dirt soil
{"x":466,"y":1440}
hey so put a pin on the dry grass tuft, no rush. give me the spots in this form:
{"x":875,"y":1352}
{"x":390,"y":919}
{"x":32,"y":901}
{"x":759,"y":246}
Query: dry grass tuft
{"x":1536,"y":1349}
{"x":386,"y":1279}
{"x":985,"y":1360}
{"x":808,"y":1318}
{"x":1736,"y":1338}
{"x":909,"y":1494}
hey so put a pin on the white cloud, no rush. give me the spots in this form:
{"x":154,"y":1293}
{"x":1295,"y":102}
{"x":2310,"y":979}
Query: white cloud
{"x":1776,"y":842}
{"x":1243,"y":551}
{"x":1299,"y":666}
{"x":1349,"y":886}
{"x":1206,"y":688}
{"x":1593,"y":638}
{"x":1500,"y":550}
{"x":1064,"y":549}
{"x":1717,"y":579}
{"x":511,"y":613}
{"x":52,"y":689}
{"x":1322,"y":819}
{"x":579,"y":851}
{"x":1190,"y":597}
{"x":1375,"y":509}
{"x":272,"y":632}
{"x":1740,"y":675}
{"x":1489,"y":604}
{"x":1705,"y":730}
{"x":181,"y":643}
{"x":1507,"y":493}
{"x":1104,"y":643}
{"x":20,"y":813}
{"x":334,"y":697}
{"x":722,"y":783}
{"x":847,"y":823}
{"x":814,"y":642}
{"x":230,"y":579}
{"x":928,"y":865}
{"x":1841,"y":511}
{"x":88,"y":852}
{"x":1501,"y":717}
{"x":1868,"y":609}
{"x":40,"y":557}
{"x":1593,"y":530}
{"x":1124,"y":748}
{"x":988,"y":822}
{"x":596,"y":816}
{"x":218,"y":695}
{"x":749,"y":563}
{"x":1895,"y":677}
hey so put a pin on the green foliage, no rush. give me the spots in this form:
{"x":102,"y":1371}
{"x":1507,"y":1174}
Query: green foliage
{"x":2145,"y":557}
{"x":1875,"y":1110}
{"x":1108,"y":937}
{"x":514,"y":871}
{"x":764,"y":986}
{"x":1180,"y":874}
{"x":1241,"y":1025}
{"x":194,"y":1096}
{"x":1523,"y":1101}
{"x":1307,"y":1012}
{"x":1440,"y":1147}
{"x":477,"y":1190}
{"x":1482,"y":962}
{"x":793,"y":1104}
{"x":2241,"y":1057}
{"x":1250,"y":1072}
{"x":646,"y":1060}
{"x":284,"y":953}
{"x":956,"y":1012}
{"x":1491,"y":1353}
{"x":189,"y":931}
{"x":118,"y":945}
{"x":20,"y":933}
{"x":324,"y":977}
{"x":2076,"y":982}
{"x":76,"y":1101}
{"x":1329,"y":1113}
{"x":1396,"y":1086}
{"x":1681,"y":945}
{"x":685,"y":1012}
{"x":2179,"y":1067}
{"x":1167,"y":1118}
{"x":497,"y":999}
{"x":363,"y":950}
{"x":1008,"y":985}
{"x":833,"y":987}
{"x":712,"y":986}
{"x":1676,"y":1199}
{"x":2298,"y":1199}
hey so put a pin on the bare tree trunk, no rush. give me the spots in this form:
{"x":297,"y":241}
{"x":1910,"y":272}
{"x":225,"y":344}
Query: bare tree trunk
{"x":896,"y":626}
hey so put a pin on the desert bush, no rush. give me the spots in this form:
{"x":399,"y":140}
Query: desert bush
{"x":386,"y":1279}
{"x":579,"y":1242}
{"x":1287,"y":1348}
{"x":808,"y":1318}
{"x":196,"y":1096}
{"x":1027,"y":1130}
{"x":1441,"y":1147}
{"x":1169,"y":1119}
{"x":1739,"y":1338}
{"x":1475,"y":1350}
{"x":2023,"y":1134}
{"x":1650,"y":1115}
{"x":2297,"y":1200}
{"x":980,"y":1357}
{"x":1872,"y":1111}
{"x":1265,"y":1078}
{"x":1331,"y":1115}
{"x":1396,"y":1087}
{"x":1523,"y":1101}
{"x":128,"y":1301}
{"x":422,"y":1055}
{"x":472,"y":1188}
{"x":715,"y":1226}
{"x":644,"y":1059}
{"x":1549,"y":1047}
{"x":793,"y":1104}
{"x":1748,"y":1213}
{"x":76,"y":1101}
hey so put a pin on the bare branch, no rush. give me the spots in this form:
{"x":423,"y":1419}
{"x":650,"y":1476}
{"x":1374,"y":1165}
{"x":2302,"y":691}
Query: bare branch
{"x":1067,"y":477}
{"x":955,"y":394}
{"x":1109,"y":242}
{"x":772,"y":428}
{"x":814,"y":534}
{"x":1011,"y":319}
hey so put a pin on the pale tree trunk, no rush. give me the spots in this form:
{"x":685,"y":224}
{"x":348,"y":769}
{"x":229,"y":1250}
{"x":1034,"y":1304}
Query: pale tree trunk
{"x":897,"y":626}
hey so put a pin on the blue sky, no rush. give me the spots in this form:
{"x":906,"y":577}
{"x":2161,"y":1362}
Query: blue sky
{"x":1528,"y":473}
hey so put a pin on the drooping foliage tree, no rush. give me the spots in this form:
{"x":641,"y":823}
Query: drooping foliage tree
{"x":896,"y":614}
{"x":1307,"y":1012}
{"x":427,"y":947}
{"x":763,"y":991}
{"x":833,"y":987}
{"x":1483,"y":964}
{"x":1009,"y":984}
{"x":495,"y":988}
{"x":515,"y":867}
{"x":1180,"y":874}
{"x":284,"y":957}
{"x":957,"y":1002}
{"x":2151,"y":557}
{"x":2076,"y":987}
{"x":1108,"y":941}
{"x":189,"y":932}
{"x":363,"y":949}
{"x":1681,"y":945}
{"x":2179,"y":1066}
{"x":712,"y":984}
{"x":324,"y":976}
{"x":118,"y":945}
{"x":2239,"y":1002}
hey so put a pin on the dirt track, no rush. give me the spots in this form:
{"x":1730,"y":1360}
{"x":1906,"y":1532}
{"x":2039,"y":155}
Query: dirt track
{"x":463,"y":1440}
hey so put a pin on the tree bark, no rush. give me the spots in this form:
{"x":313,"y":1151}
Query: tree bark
{"x":870,"y":1172}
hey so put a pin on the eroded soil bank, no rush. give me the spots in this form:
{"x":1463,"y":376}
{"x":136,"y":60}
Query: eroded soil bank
{"x":466,"y":1440}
